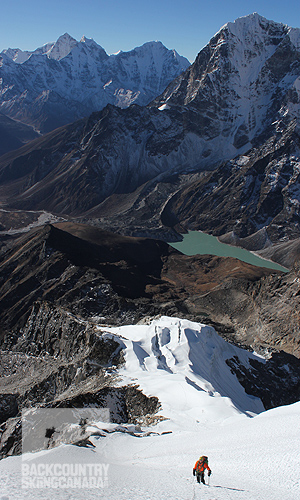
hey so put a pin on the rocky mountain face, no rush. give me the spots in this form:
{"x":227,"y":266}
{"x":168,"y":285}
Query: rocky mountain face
{"x":52,"y":354}
{"x":60,"y":285}
{"x":93,"y":273}
{"x":114,"y":151}
{"x":67,"y":80}
{"x":253,"y":192}
{"x":244,"y":81}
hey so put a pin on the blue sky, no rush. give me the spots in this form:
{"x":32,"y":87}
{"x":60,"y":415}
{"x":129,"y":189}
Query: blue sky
{"x":184,"y":25}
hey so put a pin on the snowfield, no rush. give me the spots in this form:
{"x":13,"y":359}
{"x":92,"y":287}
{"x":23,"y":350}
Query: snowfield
{"x":183,"y":364}
{"x":253,"y":454}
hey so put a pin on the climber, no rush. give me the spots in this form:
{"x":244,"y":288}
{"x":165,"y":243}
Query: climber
{"x":200,"y":467}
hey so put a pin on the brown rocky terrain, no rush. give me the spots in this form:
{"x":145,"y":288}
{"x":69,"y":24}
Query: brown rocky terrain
{"x":61,"y":284}
{"x":94,"y":273}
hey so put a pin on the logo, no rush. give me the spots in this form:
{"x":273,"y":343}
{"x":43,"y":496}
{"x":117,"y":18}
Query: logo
{"x":49,"y":428}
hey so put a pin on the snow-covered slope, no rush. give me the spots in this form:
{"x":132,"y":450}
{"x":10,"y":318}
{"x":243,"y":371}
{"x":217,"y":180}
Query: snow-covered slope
{"x":250,"y":459}
{"x":72,"y":79}
{"x":184,"y":363}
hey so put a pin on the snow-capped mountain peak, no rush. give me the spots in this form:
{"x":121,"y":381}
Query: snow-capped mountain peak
{"x":84,"y":39}
{"x":251,"y":22}
{"x":237,"y":84}
{"x":62,"y":47}
{"x":95,"y":51}
{"x":17,"y":55}
{"x":53,"y":50}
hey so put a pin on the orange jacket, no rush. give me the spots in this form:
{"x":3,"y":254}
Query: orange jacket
{"x":200,"y":465}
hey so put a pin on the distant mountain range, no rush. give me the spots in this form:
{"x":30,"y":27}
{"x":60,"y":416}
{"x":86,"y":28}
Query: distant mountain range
{"x":237,"y":106}
{"x":63,"y":81}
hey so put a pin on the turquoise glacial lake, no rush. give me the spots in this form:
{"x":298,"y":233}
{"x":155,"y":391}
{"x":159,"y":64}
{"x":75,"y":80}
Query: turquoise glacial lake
{"x":198,"y":243}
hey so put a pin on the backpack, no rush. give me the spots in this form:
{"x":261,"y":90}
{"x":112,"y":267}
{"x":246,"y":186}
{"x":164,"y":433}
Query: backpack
{"x":201,"y":462}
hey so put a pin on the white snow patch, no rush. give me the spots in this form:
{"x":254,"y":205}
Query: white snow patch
{"x":164,"y":106}
{"x":107,"y":84}
{"x":242,"y":160}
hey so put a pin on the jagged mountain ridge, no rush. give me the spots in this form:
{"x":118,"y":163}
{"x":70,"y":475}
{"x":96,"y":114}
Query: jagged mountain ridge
{"x":219,"y":108}
{"x":113,"y":151}
{"x":67,"y":80}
